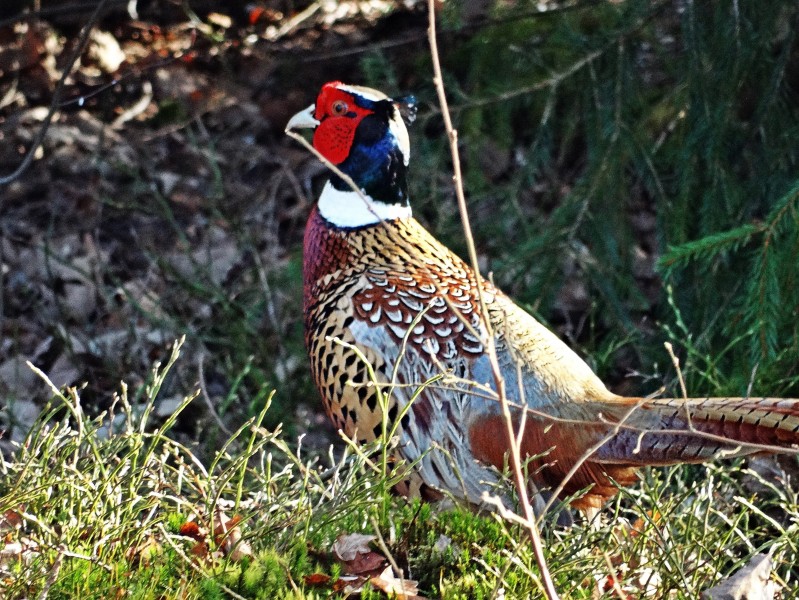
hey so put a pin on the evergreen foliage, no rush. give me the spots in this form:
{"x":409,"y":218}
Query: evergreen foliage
{"x":579,"y":125}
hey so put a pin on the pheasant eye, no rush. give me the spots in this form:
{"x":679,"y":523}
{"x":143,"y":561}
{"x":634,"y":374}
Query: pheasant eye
{"x":339,"y":108}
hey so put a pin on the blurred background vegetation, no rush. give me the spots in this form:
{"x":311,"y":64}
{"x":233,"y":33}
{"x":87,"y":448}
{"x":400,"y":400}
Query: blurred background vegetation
{"x":631,"y":169}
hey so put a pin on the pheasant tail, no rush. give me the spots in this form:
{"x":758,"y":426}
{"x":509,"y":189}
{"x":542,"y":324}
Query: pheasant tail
{"x":589,"y":456}
{"x":672,"y":430}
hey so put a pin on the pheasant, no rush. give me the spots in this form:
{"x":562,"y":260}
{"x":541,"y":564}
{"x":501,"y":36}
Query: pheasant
{"x":389,"y":310}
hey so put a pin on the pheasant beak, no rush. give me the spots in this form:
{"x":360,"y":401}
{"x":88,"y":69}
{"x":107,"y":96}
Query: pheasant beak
{"x":303,"y":120}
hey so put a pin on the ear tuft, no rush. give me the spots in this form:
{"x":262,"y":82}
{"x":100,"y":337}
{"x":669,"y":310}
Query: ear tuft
{"x":407,"y":107}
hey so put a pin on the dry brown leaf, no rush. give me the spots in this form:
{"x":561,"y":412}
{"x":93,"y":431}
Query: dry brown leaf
{"x":192,"y":530}
{"x":357,"y":558}
{"x":25,"y":51}
{"x":401,"y":589}
{"x":751,"y":582}
{"x":316,"y":579}
{"x":227,"y":535}
{"x":348,"y":545}
{"x":10,"y":521}
{"x":200,"y":550}
{"x":348,"y":584}
{"x":366,"y":563}
{"x":625,"y":530}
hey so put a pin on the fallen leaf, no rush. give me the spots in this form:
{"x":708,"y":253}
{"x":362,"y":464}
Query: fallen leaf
{"x":16,"y":378}
{"x":367,"y":563}
{"x":227,"y":535}
{"x":354,"y":553}
{"x":192,"y":530}
{"x":751,"y":582}
{"x":104,"y":49}
{"x":316,"y":579}
{"x":22,"y":549}
{"x":348,"y":545}
{"x":11,"y":520}
{"x":10,"y":551}
{"x":401,"y":589}
{"x":24,"y":414}
{"x":167,"y":407}
{"x":223,"y":525}
{"x":64,"y":371}
{"x":348,"y":584}
{"x":200,"y":549}
{"x":220,"y":20}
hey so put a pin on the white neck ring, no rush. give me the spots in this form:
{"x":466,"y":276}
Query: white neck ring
{"x":350,"y":209}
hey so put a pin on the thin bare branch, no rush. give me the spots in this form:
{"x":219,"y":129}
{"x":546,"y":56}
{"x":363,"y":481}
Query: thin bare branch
{"x":349,"y":181}
{"x":521,"y":484}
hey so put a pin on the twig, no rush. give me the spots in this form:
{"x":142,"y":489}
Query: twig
{"x":138,"y":107}
{"x":349,"y":181}
{"x":381,"y":543}
{"x":613,"y":579}
{"x":521,"y":485}
{"x":207,"y":397}
{"x":52,"y":576}
{"x":294,"y":22}
{"x":676,"y":362}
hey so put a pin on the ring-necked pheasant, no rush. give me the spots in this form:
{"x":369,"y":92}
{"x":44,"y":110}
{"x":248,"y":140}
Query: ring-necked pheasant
{"x":376,"y":283}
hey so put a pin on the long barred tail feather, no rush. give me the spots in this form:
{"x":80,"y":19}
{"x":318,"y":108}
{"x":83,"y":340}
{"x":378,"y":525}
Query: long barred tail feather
{"x":672,"y":430}
{"x":594,"y":446}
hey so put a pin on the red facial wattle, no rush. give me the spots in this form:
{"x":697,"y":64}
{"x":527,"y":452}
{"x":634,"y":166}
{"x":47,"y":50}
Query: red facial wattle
{"x":338,"y":117}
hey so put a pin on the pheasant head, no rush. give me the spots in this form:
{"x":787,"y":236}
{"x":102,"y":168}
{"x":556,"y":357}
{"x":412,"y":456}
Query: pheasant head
{"x":362,"y":132}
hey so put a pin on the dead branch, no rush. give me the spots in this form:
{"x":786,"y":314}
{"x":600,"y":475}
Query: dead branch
{"x":521,"y":484}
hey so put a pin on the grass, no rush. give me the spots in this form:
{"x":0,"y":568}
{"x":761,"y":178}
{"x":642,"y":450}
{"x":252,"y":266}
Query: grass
{"x":113,"y":507}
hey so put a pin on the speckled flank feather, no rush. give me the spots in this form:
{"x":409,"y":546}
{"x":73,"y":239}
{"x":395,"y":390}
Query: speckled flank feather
{"x":371,"y":284}
{"x":383,"y":289}
{"x":410,"y":307}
